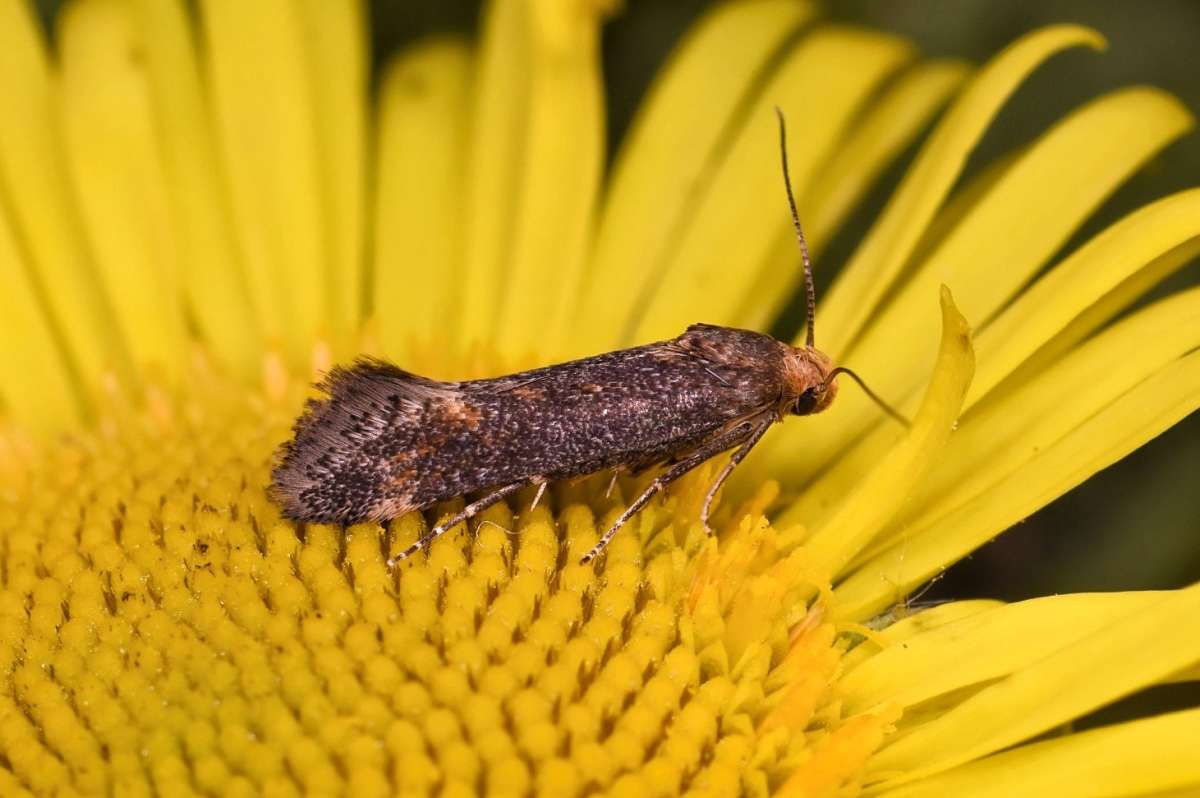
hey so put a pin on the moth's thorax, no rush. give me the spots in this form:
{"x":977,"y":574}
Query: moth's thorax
{"x":805,"y":371}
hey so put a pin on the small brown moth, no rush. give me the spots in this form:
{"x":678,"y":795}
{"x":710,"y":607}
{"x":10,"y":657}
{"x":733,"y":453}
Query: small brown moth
{"x":384,"y":442}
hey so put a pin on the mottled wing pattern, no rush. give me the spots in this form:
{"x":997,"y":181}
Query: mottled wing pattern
{"x":386,"y":441}
{"x":630,"y":408}
{"x":341,"y":464}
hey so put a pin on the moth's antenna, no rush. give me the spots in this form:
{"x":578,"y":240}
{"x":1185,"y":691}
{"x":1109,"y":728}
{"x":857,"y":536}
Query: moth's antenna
{"x":891,"y":411}
{"x":808,"y":275}
{"x":810,"y":290}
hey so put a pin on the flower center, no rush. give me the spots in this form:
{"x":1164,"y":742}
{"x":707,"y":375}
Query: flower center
{"x":162,"y":625}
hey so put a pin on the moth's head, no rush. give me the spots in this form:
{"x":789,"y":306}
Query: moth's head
{"x":806,"y":378}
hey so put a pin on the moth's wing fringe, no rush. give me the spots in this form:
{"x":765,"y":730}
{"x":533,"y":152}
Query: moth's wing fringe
{"x":356,"y":403}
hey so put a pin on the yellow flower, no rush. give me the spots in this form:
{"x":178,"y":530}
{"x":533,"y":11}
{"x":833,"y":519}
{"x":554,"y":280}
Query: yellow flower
{"x":192,"y":222}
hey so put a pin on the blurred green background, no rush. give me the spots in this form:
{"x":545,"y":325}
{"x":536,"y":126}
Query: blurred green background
{"x":1136,"y":525}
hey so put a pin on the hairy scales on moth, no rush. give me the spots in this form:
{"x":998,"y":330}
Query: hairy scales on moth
{"x":384,"y":442}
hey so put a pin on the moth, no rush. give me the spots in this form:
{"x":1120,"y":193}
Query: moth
{"x":382,"y":442}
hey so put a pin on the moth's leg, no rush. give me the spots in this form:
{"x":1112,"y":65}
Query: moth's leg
{"x":468,"y":512}
{"x":538,"y":497}
{"x":707,"y":450}
{"x":612,"y":483}
{"x":737,"y":457}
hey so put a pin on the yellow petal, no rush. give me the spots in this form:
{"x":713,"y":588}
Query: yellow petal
{"x":998,"y":437}
{"x":424,"y":106}
{"x":1128,"y":654}
{"x":559,"y":183}
{"x":984,"y":646}
{"x":1125,"y":258}
{"x":112,"y":151}
{"x":1103,"y":276}
{"x":1058,"y":181}
{"x":877,"y":262}
{"x":1029,"y":213}
{"x":336,"y":43}
{"x":1189,"y":674}
{"x":888,"y":124}
{"x":40,"y":395}
{"x":1150,"y":758}
{"x":913,"y":622}
{"x":263,"y":104}
{"x":742,"y":218}
{"x":1123,"y":425}
{"x":958,"y":206}
{"x":36,"y":191}
{"x":682,"y":132}
{"x":838,"y":755}
{"x":501,"y":86}
{"x":1001,"y":436}
{"x":212,"y":271}
{"x":882,"y":492}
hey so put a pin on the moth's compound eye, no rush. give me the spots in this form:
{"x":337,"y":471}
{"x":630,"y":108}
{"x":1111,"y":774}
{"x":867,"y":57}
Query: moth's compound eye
{"x":807,"y":402}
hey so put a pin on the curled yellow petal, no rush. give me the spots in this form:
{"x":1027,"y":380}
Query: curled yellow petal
{"x":995,"y":436}
{"x":1103,"y":275}
{"x":882,"y":492}
{"x":1046,"y":472}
